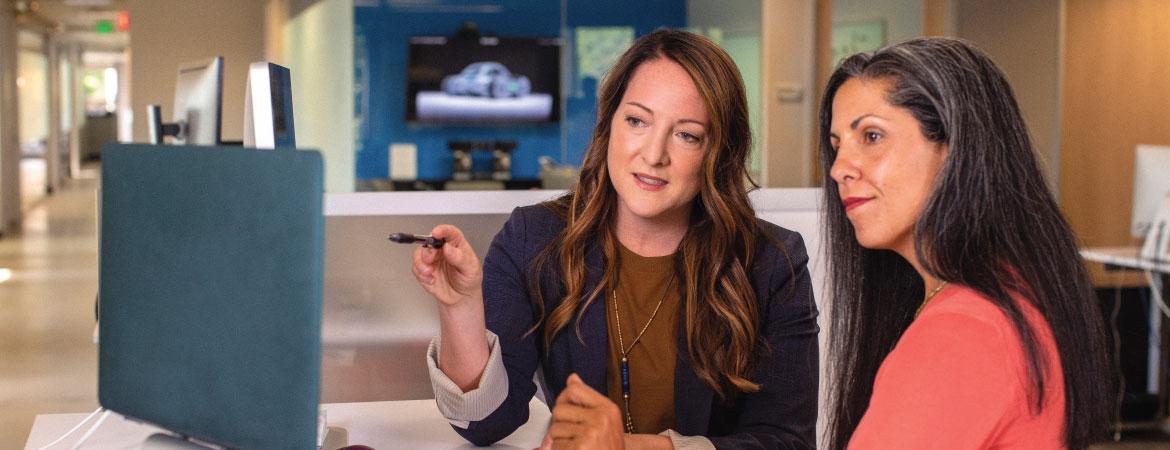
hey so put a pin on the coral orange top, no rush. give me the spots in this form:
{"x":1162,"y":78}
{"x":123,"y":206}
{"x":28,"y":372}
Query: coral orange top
{"x":958,"y":378}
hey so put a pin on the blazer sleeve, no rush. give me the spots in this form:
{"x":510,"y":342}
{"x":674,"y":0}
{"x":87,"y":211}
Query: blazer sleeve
{"x":509,"y":316}
{"x":783,"y":413}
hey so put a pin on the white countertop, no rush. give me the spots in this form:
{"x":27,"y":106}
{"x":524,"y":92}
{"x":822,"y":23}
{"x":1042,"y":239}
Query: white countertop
{"x":408,"y":424}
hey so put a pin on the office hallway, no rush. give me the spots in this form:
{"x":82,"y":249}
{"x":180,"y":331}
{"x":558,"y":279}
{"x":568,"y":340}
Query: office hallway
{"x":48,"y":361}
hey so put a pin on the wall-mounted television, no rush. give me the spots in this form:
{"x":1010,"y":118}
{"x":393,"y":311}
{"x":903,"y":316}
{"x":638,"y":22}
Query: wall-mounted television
{"x":485,"y":81}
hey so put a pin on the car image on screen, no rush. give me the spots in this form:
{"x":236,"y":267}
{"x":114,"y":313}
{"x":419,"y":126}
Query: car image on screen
{"x":486,"y":79}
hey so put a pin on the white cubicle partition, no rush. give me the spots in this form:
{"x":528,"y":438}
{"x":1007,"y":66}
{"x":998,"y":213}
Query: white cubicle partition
{"x":378,"y":321}
{"x":799,"y":210}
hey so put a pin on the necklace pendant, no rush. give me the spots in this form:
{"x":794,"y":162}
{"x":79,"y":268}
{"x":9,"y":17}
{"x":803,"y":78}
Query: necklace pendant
{"x":625,"y":378}
{"x":625,"y":362}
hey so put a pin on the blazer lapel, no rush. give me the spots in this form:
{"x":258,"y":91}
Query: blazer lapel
{"x":692,"y":397}
{"x":589,"y":360}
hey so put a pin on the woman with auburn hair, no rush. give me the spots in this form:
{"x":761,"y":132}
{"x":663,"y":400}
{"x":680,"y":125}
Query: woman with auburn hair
{"x":962,"y":316}
{"x":650,"y":304}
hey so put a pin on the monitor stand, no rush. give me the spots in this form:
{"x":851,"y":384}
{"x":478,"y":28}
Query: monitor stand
{"x":334,"y":439}
{"x":159,"y":129}
{"x":164,"y":441}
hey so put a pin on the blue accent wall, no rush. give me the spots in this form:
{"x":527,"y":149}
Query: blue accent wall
{"x":381,"y":44}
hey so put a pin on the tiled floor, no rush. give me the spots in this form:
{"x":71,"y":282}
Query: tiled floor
{"x":48,"y":361}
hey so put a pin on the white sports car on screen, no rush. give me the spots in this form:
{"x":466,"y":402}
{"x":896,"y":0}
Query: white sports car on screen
{"x":486,"y":79}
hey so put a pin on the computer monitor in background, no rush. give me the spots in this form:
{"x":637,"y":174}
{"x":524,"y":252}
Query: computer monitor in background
{"x":1151,"y":185}
{"x":268,"y":108}
{"x":197,"y":109}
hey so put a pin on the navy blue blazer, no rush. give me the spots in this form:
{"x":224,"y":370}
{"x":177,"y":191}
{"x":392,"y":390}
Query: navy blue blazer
{"x":781,"y":415}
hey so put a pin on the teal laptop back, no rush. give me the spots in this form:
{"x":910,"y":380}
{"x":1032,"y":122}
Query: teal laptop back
{"x":211,"y":288}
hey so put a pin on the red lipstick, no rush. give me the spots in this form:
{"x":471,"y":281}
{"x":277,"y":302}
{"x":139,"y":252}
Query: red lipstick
{"x":853,"y":202}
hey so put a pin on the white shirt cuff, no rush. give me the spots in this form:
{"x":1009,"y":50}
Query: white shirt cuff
{"x":461,"y":408}
{"x":681,"y":442}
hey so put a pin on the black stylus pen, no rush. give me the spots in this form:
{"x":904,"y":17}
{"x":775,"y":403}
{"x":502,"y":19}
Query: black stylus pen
{"x":407,"y":238}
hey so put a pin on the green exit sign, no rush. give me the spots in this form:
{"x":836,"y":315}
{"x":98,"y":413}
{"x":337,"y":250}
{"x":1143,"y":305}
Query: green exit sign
{"x":104,"y":27}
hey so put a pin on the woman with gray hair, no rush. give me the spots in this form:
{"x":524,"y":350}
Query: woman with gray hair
{"x":962,"y":315}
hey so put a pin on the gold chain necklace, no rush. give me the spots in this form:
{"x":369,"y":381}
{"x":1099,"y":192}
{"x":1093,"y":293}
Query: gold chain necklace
{"x":625,"y":362}
{"x":928,"y":297}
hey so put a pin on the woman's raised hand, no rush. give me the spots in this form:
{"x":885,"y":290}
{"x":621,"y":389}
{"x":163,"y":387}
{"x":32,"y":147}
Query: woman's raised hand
{"x":454,"y":276}
{"x":451,"y":273}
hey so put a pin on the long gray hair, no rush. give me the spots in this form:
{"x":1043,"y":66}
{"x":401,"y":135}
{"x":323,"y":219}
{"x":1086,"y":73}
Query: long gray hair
{"x":990,"y":224}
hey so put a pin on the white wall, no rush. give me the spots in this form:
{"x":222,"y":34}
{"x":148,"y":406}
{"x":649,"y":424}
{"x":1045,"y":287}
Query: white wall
{"x":1024,"y":39}
{"x":788,"y":96}
{"x":9,"y":144}
{"x":903,"y":18}
{"x":33,"y":70}
{"x":170,"y":33}
{"x":318,"y":50}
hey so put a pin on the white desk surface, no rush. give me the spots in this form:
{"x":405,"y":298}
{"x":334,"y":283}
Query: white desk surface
{"x":408,"y":424}
{"x":1125,"y":257}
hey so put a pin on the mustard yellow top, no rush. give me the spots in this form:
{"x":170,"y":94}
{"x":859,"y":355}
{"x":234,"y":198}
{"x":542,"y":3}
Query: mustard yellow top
{"x":642,"y":282}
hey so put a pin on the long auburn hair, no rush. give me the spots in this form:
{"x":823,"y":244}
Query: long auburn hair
{"x":990,"y":224}
{"x":715,"y":255}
